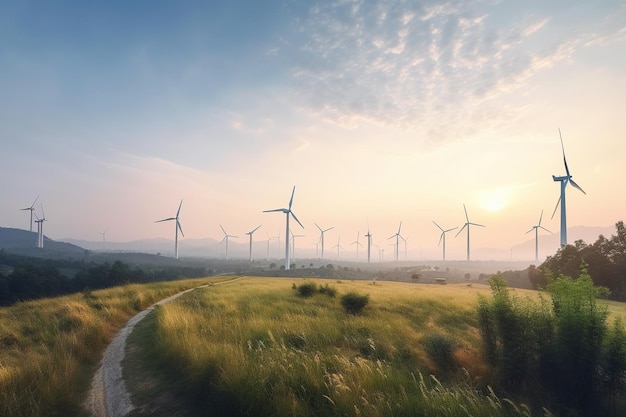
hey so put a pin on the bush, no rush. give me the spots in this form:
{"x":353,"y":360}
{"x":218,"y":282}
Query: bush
{"x":354,"y":302}
{"x":328,"y":290}
{"x":440,"y":349}
{"x":307,"y":289}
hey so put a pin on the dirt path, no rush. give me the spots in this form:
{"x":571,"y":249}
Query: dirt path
{"x":108,"y":396}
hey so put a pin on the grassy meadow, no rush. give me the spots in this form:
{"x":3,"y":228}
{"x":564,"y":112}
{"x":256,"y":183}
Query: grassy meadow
{"x":50,"y":348}
{"x":256,"y":348}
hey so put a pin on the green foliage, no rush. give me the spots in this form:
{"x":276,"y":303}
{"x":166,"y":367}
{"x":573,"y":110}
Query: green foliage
{"x":440,"y":349}
{"x":328,"y":290}
{"x":306,"y":289}
{"x":354,"y":302}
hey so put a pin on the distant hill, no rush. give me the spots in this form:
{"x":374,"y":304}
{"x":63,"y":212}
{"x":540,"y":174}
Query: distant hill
{"x":23,"y":242}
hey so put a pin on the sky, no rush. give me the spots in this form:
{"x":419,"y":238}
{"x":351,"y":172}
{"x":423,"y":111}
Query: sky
{"x":378,"y":112}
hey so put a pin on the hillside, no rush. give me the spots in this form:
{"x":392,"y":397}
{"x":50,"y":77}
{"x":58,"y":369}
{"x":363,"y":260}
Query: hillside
{"x":23,"y":242}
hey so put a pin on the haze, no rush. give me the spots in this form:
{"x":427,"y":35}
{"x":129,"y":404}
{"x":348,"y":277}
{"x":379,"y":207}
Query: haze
{"x":378,"y":112}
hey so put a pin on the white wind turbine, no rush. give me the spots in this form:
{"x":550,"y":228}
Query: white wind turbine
{"x":226,"y":237}
{"x":293,"y":245}
{"x":177,"y":227}
{"x":250,"y":234}
{"x":567,"y":178}
{"x":357,"y":243}
{"x":338,"y":246}
{"x":322,"y":231}
{"x":31,"y":209}
{"x":467,"y":224}
{"x":398,"y":237}
{"x":104,"y":239}
{"x":288,"y":213}
{"x":536,"y":229}
{"x":40,"y":227}
{"x":442,"y":238}
{"x":369,"y":244}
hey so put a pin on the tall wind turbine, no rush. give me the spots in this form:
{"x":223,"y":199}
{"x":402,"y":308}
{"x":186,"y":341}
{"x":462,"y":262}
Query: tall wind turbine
{"x":287,"y":212}
{"x":31,"y":209}
{"x":226,"y":237}
{"x":293,"y":244}
{"x":338,"y":246}
{"x":398,"y":237}
{"x":357,"y":243}
{"x":322,"y":231}
{"x":104,"y":239}
{"x":369,"y":244}
{"x":467,"y":224}
{"x":177,"y":227}
{"x":567,"y":178}
{"x":536,"y":229}
{"x":443,"y":237}
{"x":40,"y":227}
{"x":250,"y":234}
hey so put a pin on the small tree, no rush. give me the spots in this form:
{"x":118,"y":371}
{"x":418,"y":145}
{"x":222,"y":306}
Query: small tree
{"x":354,"y":302}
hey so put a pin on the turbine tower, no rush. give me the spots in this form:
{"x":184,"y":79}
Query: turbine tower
{"x":338,"y":246}
{"x":369,"y":244}
{"x":177,"y":227}
{"x":287,"y":212}
{"x":226,"y":237}
{"x":536,"y":229}
{"x":31,"y":209}
{"x":398,"y":237}
{"x":357,"y":243}
{"x":322,"y":231}
{"x":443,"y":237}
{"x":467,"y":224}
{"x":293,"y":244}
{"x":40,"y":227}
{"x":104,"y":237}
{"x":250,"y":234}
{"x":567,"y":178}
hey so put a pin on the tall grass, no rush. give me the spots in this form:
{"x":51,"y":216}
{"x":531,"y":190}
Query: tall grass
{"x":49,"y":348}
{"x":256,"y":348}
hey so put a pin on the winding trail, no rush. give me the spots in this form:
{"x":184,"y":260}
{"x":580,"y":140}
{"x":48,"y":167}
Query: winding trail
{"x":108,"y":396}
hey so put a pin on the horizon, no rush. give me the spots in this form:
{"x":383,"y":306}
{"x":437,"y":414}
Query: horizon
{"x":377,"y":114}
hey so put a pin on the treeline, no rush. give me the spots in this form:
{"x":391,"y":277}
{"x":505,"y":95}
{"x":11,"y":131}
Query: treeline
{"x":605,"y":260}
{"x":32,"y":278}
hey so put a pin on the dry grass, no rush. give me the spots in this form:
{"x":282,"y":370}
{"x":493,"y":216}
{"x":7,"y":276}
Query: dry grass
{"x":49,"y":348}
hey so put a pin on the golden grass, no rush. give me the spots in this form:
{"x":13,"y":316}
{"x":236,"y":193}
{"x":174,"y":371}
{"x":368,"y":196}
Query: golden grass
{"x":49,"y":348}
{"x":254,"y":347}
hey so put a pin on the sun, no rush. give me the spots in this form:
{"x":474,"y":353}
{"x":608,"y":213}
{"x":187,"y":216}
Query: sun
{"x":494,"y":200}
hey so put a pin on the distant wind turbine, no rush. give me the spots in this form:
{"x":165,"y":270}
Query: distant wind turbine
{"x":226,"y":237}
{"x":536,"y":229}
{"x":443,"y":237}
{"x":104,"y":237}
{"x":567,"y":178}
{"x":250,"y":234}
{"x":177,"y":227}
{"x":293,"y":245}
{"x":338,"y":246}
{"x":357,"y":243}
{"x":39,"y":222}
{"x":31,"y":209}
{"x":288,"y":213}
{"x":322,"y":231}
{"x":467,"y":224}
{"x":369,"y":244}
{"x":398,"y":237}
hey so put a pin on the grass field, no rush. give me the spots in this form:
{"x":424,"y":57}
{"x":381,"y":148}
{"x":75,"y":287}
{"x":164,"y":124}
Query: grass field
{"x":49,"y":349}
{"x":256,"y":348}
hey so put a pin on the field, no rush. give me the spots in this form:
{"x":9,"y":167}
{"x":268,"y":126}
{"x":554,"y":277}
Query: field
{"x":255,"y":347}
{"x":49,"y":349}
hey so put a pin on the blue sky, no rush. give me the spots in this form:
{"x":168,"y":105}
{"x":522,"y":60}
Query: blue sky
{"x":378,"y":111}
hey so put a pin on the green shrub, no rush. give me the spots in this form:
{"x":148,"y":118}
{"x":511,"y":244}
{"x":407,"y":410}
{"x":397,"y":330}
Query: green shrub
{"x":354,"y":302}
{"x":440,"y":349}
{"x":307,"y":289}
{"x":328,"y":290}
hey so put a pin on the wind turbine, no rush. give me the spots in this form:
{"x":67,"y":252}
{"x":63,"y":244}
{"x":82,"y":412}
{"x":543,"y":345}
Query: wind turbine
{"x":104,"y":237}
{"x":322,"y":231}
{"x":567,"y":178}
{"x":293,"y":244}
{"x":467,"y":224}
{"x":369,"y":244}
{"x":226,"y":236}
{"x":250,"y":234}
{"x":287,"y":212}
{"x":397,"y":236}
{"x":40,"y":227}
{"x":443,"y":237}
{"x":177,"y":227}
{"x":31,"y":209}
{"x":357,"y":243}
{"x":536,"y":228}
{"x":338,"y":246}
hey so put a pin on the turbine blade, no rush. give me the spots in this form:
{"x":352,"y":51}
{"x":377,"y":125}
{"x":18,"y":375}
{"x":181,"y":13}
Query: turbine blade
{"x":291,"y":199}
{"x":556,"y":207}
{"x":33,"y":205}
{"x":577,"y":186}
{"x":541,"y":227}
{"x":531,"y":229}
{"x":330,"y":228}
{"x":294,"y":216}
{"x":399,"y":227}
{"x":540,"y":217}
{"x":440,"y":228}
{"x":257,"y":228}
{"x":179,"y":227}
{"x":466,"y":217}
{"x":225,"y":234}
{"x":563,"y":148}
{"x":476,"y":224}
{"x":460,"y":230}
{"x":179,"y":206}
{"x":270,"y":211}
{"x":449,"y":230}
{"x":166,"y":220}
{"x":441,"y":238}
{"x":318,"y":227}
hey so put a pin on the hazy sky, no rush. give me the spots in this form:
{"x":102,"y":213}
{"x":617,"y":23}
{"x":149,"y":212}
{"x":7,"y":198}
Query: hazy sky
{"x":377,"y":111}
